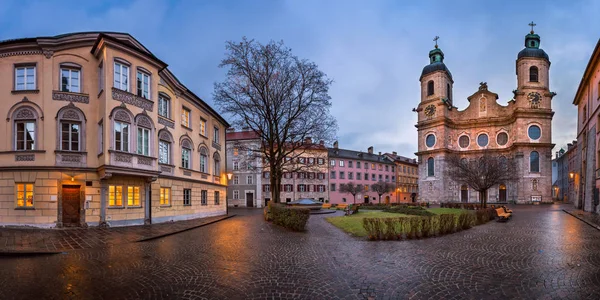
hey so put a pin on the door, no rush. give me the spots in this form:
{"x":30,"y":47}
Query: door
{"x":366,"y":199}
{"x":464,"y":193}
{"x":502,"y":193}
{"x":249,"y":200}
{"x":71,"y":206}
{"x":387,"y":200}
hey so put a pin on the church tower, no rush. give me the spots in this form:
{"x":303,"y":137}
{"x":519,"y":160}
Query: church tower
{"x":532,"y":68}
{"x":436,"y":79}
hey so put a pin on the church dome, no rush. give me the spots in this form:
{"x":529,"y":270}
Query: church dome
{"x":532,"y":47}
{"x":436,"y":62}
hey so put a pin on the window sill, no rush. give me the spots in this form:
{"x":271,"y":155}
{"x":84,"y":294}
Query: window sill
{"x":165,"y":205}
{"x":203,"y":136}
{"x":116,"y":207}
{"x":24,"y":208}
{"x":17,"y":92}
{"x":134,"y":206}
{"x":22,"y":151}
{"x":71,"y":152}
{"x":166,"y":164}
{"x":186,"y":128}
{"x":187,"y":205}
{"x":166,"y":118}
{"x":203,"y":204}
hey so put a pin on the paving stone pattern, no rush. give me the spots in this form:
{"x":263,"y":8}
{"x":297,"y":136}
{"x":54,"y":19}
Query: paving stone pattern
{"x":542,"y":253}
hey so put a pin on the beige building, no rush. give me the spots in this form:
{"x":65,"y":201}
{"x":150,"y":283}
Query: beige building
{"x":99,"y":131}
{"x":407,"y":177}
{"x":520,"y":129}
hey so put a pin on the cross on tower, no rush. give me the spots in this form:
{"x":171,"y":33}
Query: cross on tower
{"x":435,"y":39}
{"x":532,"y":24}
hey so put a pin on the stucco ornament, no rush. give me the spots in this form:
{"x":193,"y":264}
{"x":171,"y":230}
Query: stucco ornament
{"x":482,"y":104}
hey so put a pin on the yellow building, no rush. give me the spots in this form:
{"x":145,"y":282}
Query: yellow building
{"x":99,"y":131}
{"x":407,"y":177}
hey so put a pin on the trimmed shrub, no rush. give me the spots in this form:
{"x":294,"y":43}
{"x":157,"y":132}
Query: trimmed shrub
{"x":410,"y":210}
{"x":373,"y":227}
{"x":294,"y":218}
{"x":466,"y":220}
{"x":446,"y":223}
{"x":374,"y":206}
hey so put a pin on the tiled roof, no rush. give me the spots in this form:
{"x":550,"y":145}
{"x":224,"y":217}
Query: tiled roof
{"x":241,"y":135}
{"x":400,"y":158}
{"x":358,"y":155}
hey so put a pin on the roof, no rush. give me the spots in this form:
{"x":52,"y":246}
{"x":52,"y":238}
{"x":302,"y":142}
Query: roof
{"x":533,"y":52}
{"x":402,"y":159}
{"x":593,"y":61}
{"x":436,"y":66}
{"x":358,"y":155}
{"x":241,"y":135}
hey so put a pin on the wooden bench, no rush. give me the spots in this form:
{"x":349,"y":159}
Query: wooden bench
{"x":351,"y":211}
{"x":326,"y":205}
{"x":342,"y":206}
{"x":506,"y":209}
{"x":502,"y":215}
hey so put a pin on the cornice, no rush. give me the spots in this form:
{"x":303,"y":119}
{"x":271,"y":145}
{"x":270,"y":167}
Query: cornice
{"x":489,"y":121}
{"x":511,"y":148}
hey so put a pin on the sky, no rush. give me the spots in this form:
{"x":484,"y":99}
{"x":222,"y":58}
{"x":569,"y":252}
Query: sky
{"x":373,"y":50}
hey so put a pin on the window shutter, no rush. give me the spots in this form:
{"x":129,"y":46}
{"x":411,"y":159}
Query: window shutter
{"x":263,"y":188}
{"x":292,"y":187}
{"x":314,"y":187}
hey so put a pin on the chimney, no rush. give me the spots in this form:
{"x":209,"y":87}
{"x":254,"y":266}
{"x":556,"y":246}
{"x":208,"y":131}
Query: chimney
{"x":335,"y":144}
{"x":370,"y":150}
{"x":230,"y":129}
{"x":308,"y":140}
{"x":395,"y":153}
{"x":379,"y":153}
{"x":322,"y":142}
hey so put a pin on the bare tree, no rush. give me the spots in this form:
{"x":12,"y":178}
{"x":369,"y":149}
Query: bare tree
{"x":382,"y":187}
{"x":282,"y":98}
{"x":351,"y":188}
{"x":481,"y":172}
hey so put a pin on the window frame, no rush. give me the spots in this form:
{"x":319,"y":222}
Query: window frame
{"x":204,"y":160}
{"x":165,"y":196}
{"x":25,"y":204}
{"x":124,"y":141}
{"x":144,"y":74}
{"x":186,"y":163}
{"x":25,"y":66}
{"x":69,"y":67}
{"x":186,"y":118}
{"x":143,"y":148}
{"x":187,"y":197}
{"x":70,"y":142}
{"x":203,"y":197}
{"x":116,"y":201}
{"x":430,"y":167}
{"x":430,"y":88}
{"x":217,"y":195}
{"x":534,"y":74}
{"x":203,"y":127}
{"x":165,"y":101}
{"x":122,"y":64}
{"x":25,"y":141}
{"x":168,"y":154}
{"x":134,"y":191}
{"x":531,"y":162}
{"x":216,"y":134}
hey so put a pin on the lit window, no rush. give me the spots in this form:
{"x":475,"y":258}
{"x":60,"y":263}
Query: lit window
{"x":143,"y":141}
{"x":69,"y":137}
{"x":235,"y":152}
{"x":133,"y":196}
{"x":25,"y":137}
{"x":115,"y":195}
{"x":203,"y":127}
{"x":165,"y":196}
{"x":185,"y":117}
{"x":121,"y":77}
{"x":25,"y":78}
{"x":70,"y":80}
{"x":122,"y":136}
{"x":143,"y":85}
{"x":24,"y":195}
{"x":187,"y":197}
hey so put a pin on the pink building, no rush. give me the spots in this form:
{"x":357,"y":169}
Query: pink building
{"x":359,"y":167}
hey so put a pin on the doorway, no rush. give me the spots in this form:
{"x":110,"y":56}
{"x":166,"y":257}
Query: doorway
{"x":71,"y":206}
{"x":502,"y":193}
{"x":387,"y":200}
{"x":366,"y":199}
{"x":249,"y":199}
{"x":464,"y":193}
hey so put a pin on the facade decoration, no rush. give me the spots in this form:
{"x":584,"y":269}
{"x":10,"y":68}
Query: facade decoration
{"x":132,"y":99}
{"x":72,"y":97}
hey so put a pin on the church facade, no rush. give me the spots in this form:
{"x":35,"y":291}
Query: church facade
{"x":521,"y":130}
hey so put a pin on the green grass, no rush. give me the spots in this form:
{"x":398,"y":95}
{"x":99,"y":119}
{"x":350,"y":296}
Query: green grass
{"x":441,"y":211}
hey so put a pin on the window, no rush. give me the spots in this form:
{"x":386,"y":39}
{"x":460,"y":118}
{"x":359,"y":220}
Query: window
{"x":464,"y":141}
{"x":350,"y":175}
{"x":349,"y":164}
{"x":69,"y":136}
{"x":358,"y":176}
{"x":115,"y":195}
{"x":301,"y":175}
{"x":185,"y":158}
{"x":372,"y":166}
{"x":311,"y":161}
{"x":380,"y":167}
{"x":482,"y":140}
{"x":448,"y":92}
{"x":344,"y":200}
{"x":332,"y":187}
{"x":332,"y":162}
{"x":203,"y":160}
{"x":301,"y":188}
{"x":217,"y":164}
{"x":216,"y":135}
{"x":121,"y":136}
{"x":320,"y":161}
{"x":24,"y":194}
{"x":202,"y":127}
{"x":143,"y":141}
{"x":502,"y":138}
{"x":534,"y":161}
{"x":320,"y":188}
{"x":430,"y":167}
{"x":533,"y":74}
{"x":100,"y":77}
{"x":387,"y":177}
{"x":236,"y":194}
{"x":163,"y":152}
{"x":236,"y":179}
{"x":387,"y":168}
{"x":534,"y":132}
{"x":164,"y":106}
{"x":185,"y":117}
{"x":249,"y":179}
{"x":121,"y":77}
{"x":358,"y":164}
{"x":187,"y":197}
{"x":266,"y":175}
{"x":430,"y":90}
{"x":366,"y":176}
{"x":311,"y":175}
{"x":203,"y":197}
{"x":373,"y":177}
{"x":366,"y":166}
{"x":341,"y":163}
{"x":320,"y":175}
{"x":25,"y":78}
{"x":380,"y":177}
{"x":217,"y":196}
{"x":342,"y":175}
{"x":266,"y":188}
{"x":332,"y":175}
{"x":236,"y":166}
{"x":165,"y":196}
{"x":288,"y":188}
{"x":25,"y":135}
{"x":143,"y":84}
{"x":70,"y":80}
{"x":133,"y":196}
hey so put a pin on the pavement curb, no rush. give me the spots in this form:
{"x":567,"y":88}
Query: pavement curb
{"x":182,"y":230}
{"x":583,"y":220}
{"x":25,"y":253}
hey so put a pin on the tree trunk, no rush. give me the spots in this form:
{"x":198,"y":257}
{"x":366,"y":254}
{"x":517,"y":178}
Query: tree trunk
{"x":275,"y":182}
{"x":379,"y":199}
{"x":354,"y":197}
{"x":483,"y":198}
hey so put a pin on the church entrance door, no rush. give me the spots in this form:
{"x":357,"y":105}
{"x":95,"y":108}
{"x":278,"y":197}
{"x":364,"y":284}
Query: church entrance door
{"x":464,"y":193}
{"x":502,"y":193}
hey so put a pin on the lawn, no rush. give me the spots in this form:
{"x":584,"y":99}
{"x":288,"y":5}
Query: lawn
{"x":353,"y":224}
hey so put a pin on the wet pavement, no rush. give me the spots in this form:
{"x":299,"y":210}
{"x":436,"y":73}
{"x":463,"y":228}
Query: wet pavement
{"x":542,"y":253}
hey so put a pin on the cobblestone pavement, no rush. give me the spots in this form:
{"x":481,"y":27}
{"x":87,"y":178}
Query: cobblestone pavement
{"x":586,"y":216}
{"x":542,"y":253}
{"x":34,"y":240}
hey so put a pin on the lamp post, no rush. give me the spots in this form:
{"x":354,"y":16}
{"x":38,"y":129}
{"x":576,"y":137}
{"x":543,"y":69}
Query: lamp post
{"x":229,"y":176}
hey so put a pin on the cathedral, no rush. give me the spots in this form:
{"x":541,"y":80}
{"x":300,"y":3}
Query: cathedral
{"x":521,"y":130}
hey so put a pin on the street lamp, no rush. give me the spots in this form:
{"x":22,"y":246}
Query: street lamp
{"x":229,"y":176}
{"x":571,"y":174}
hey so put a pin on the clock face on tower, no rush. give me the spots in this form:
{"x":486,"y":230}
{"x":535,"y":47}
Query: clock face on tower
{"x":430,"y":110}
{"x":534,"y":99}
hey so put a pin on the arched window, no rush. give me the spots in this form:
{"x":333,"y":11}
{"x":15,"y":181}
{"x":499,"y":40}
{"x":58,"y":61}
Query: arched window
{"x":71,"y":129}
{"x":25,"y":128}
{"x":165,"y":142}
{"x":186,"y":152}
{"x":430,"y":167}
{"x":533,"y":74}
{"x":203,"y":160}
{"x":217,"y":164}
{"x":534,"y":161}
{"x":145,"y":134}
{"x":430,"y":90}
{"x":448,"y":92}
{"x":121,"y":119}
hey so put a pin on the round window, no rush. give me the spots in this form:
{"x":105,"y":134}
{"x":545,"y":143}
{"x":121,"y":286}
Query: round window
{"x":482,"y":140}
{"x":502,"y":138}
{"x":430,"y":140}
{"x":534,"y":132}
{"x":463,"y":141}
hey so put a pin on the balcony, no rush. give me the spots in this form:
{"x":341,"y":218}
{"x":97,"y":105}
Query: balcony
{"x":132,"y":160}
{"x":129,"y":98}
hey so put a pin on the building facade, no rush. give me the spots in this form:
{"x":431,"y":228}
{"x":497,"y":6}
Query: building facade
{"x":364,"y":168}
{"x":100,"y":132}
{"x":521,"y":130}
{"x":245,"y":164}
{"x":407,"y":177}
{"x":588,"y":147}
{"x":564,"y":187}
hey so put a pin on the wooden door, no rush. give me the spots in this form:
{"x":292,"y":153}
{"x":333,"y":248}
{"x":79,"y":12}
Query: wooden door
{"x":71,"y":206}
{"x":502,"y":193}
{"x":249,"y":200}
{"x":464,"y":194}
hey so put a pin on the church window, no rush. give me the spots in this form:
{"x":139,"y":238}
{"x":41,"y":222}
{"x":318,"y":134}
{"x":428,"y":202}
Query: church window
{"x":430,"y":167}
{"x":502,"y":138}
{"x":430,"y":140}
{"x":430,"y":88}
{"x":534,"y":132}
{"x":534,"y":162}
{"x":482,"y":140}
{"x":464,"y":141}
{"x":533,"y":74}
{"x":448,"y":93}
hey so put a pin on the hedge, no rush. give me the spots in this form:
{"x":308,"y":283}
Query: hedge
{"x":409,"y":210}
{"x":419,"y":227}
{"x":294,"y":218}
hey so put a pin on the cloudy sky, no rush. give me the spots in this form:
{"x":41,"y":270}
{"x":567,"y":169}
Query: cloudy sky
{"x":373,"y":50}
